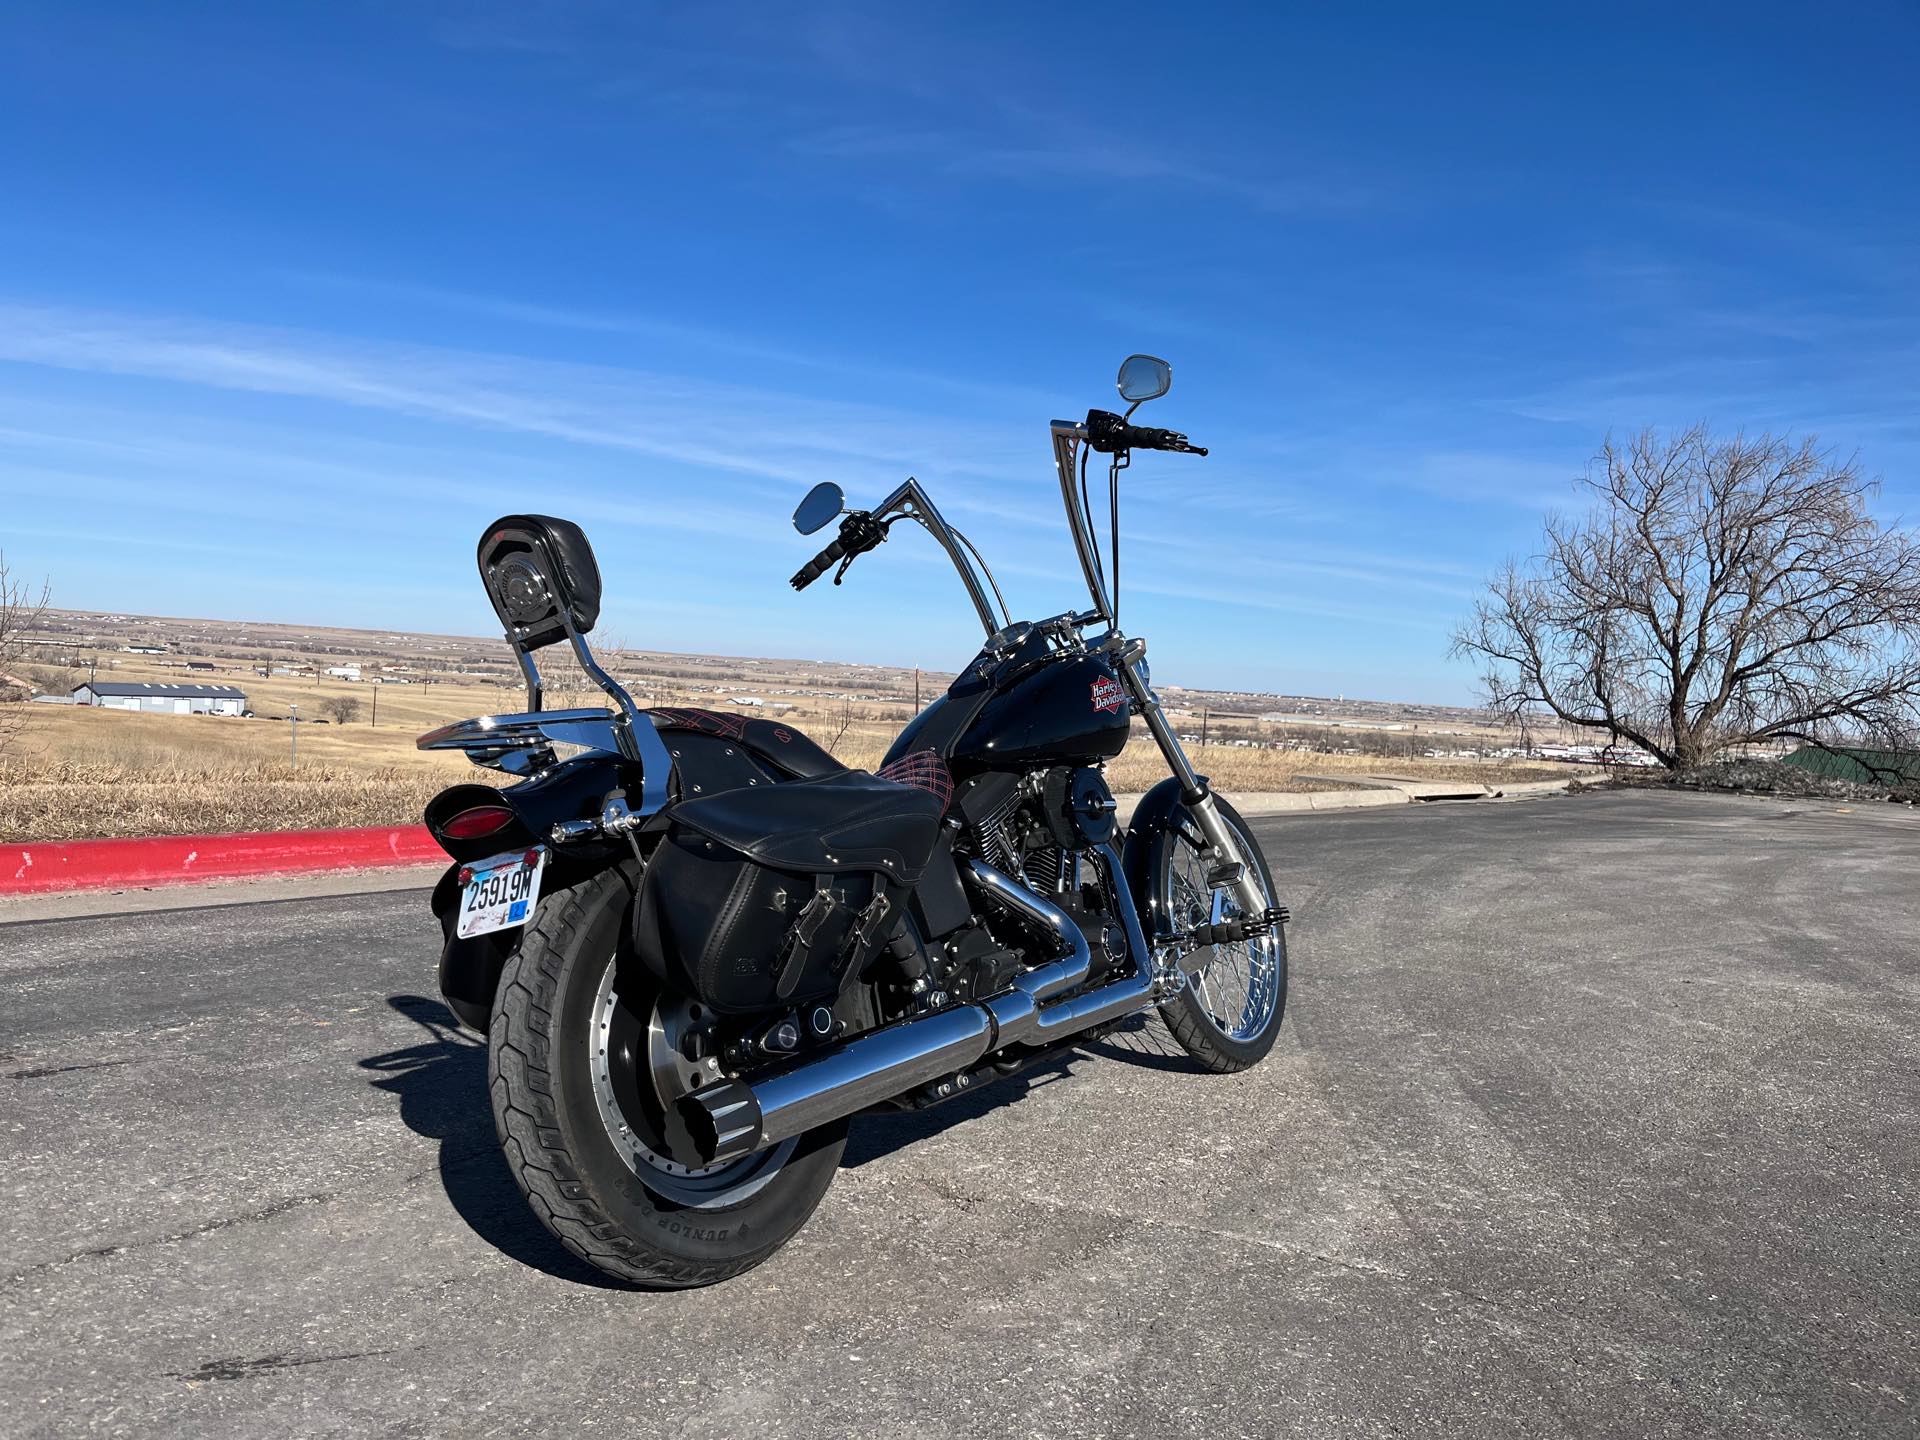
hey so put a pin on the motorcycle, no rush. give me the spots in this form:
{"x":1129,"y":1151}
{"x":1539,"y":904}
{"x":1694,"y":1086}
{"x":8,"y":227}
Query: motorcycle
{"x":698,"y":944}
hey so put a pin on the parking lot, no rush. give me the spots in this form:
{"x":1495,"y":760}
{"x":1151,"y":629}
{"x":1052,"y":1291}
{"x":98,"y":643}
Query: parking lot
{"x":1593,"y":1115}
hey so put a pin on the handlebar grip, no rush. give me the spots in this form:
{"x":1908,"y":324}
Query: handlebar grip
{"x":1147,"y":437}
{"x":819,"y":565}
{"x":1110,"y":434}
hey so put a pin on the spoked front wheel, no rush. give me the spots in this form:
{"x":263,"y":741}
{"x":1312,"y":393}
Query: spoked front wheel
{"x":1228,"y":1014}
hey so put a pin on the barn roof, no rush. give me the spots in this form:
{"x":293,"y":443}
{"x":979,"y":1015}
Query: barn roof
{"x":163,"y":692}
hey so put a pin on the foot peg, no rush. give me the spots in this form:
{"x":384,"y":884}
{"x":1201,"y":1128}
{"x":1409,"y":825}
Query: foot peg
{"x":1239,"y":927}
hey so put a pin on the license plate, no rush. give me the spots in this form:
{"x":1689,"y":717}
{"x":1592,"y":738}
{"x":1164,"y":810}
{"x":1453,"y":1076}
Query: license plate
{"x":501,"y":891}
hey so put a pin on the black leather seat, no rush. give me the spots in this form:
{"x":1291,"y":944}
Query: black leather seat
{"x":847,"y":821}
{"x":779,"y":744}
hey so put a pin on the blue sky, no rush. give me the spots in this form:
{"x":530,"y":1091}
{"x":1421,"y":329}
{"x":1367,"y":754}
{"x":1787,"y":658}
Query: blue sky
{"x":295,"y":298}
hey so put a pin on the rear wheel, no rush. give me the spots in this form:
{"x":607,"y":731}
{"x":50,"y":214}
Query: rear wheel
{"x":582,"y":1078}
{"x":1228,"y":1014}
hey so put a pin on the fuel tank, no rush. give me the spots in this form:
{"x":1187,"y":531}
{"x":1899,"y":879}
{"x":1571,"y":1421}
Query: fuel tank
{"x":1062,"y":709}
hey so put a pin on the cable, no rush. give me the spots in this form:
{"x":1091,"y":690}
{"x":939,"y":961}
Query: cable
{"x":985,"y":569}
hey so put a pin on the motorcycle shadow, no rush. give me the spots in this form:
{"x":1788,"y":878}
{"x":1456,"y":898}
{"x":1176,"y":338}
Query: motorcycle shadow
{"x":442,"y":1086}
{"x":1141,"y":1040}
{"x":441,"y":1083}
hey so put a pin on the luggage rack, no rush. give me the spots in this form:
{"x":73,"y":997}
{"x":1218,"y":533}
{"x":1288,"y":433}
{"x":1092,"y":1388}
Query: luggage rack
{"x":523,"y":744}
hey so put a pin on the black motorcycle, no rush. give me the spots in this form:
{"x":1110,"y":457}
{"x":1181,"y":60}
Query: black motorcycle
{"x":698,"y":944}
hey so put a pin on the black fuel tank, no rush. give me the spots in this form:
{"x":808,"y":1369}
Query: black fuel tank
{"x":1068,"y":709}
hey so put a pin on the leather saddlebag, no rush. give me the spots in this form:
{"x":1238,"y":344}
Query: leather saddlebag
{"x":770,"y":899}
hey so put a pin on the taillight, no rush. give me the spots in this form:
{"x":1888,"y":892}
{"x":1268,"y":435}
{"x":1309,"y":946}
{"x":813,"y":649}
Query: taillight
{"x":472,"y":824}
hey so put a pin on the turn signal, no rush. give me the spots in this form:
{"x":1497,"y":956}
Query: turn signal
{"x":479,"y":821}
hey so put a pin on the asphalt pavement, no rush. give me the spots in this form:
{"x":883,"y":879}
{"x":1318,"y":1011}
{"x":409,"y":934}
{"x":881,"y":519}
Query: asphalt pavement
{"x":1593,"y":1115}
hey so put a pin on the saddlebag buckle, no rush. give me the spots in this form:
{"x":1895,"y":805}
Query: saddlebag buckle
{"x":798,"y":949}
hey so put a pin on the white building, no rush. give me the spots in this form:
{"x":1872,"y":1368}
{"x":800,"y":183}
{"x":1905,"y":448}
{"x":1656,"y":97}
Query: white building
{"x":162,"y":699}
{"x":343,"y":672}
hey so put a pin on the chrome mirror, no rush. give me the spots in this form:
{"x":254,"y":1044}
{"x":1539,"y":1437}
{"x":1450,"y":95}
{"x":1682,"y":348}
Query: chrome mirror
{"x":1144,"y":377}
{"x":823,"y":504}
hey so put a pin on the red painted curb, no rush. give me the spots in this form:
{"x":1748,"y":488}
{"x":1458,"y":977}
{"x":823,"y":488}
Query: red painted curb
{"x":180,"y":859}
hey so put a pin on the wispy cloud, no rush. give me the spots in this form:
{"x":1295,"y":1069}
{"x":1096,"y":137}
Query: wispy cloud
{"x":671,"y":333}
{"x":768,"y":435}
{"x":1055,"y":154}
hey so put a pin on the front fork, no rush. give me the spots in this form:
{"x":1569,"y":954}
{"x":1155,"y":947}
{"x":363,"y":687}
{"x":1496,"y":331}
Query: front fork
{"x":1227,"y":868}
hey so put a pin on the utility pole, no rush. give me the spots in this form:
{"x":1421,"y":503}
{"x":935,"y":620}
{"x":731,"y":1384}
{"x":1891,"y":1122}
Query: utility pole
{"x":293,"y":734}
{"x":916,"y":689}
{"x":1203,"y":726}
{"x":376,"y":706}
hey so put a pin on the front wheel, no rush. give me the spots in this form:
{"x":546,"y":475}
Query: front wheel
{"x":582,"y":1078}
{"x":1228,"y":1015}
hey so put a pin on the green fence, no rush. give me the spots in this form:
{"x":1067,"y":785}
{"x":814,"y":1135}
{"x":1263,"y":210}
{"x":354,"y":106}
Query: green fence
{"x":1899,"y":768}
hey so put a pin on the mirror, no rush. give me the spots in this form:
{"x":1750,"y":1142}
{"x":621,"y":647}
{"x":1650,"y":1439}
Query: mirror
{"x":823,"y":504}
{"x":1144,"y":377}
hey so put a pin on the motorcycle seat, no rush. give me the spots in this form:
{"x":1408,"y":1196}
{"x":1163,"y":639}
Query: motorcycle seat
{"x":829,"y":824}
{"x":779,"y":744}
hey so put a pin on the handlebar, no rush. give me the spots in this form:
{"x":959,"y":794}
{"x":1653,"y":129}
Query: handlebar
{"x":859,"y":533}
{"x":817,"y":566}
{"x":1109,"y":434}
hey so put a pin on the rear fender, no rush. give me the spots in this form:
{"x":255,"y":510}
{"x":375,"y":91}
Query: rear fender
{"x":572,"y":790}
{"x":470,"y":968}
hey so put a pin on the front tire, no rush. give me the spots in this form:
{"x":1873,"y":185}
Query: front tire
{"x":575,"y":1132}
{"x":1228,"y":1015}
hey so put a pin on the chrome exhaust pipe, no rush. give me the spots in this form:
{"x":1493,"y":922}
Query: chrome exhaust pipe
{"x":732,"y":1119}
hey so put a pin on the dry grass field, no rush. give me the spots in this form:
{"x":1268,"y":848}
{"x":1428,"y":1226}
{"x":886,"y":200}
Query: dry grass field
{"x":80,"y":772}
{"x":71,"y":772}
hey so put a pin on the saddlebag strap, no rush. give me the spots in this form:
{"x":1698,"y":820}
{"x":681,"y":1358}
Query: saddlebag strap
{"x":798,"y":947}
{"x":867,"y":929}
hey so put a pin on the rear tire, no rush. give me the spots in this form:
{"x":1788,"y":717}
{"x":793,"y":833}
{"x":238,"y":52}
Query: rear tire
{"x":592,"y":1195}
{"x":1247,"y":981}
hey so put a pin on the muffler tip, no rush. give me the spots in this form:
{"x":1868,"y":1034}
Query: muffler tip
{"x":718,"y":1122}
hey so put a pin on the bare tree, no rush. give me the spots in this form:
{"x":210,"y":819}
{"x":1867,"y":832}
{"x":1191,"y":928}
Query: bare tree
{"x":21,"y":607}
{"x":343,"y":709}
{"x":842,"y":721}
{"x":1719,"y":593}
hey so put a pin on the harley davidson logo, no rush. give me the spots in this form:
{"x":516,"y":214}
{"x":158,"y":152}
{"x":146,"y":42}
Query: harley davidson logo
{"x":1107,"y":695}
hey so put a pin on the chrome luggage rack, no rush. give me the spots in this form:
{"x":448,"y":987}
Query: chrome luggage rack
{"x":523,"y":744}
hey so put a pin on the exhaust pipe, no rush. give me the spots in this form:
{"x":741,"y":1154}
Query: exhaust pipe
{"x":732,"y":1119}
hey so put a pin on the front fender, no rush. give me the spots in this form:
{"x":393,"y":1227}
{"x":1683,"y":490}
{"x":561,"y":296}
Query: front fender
{"x":1148,"y":833}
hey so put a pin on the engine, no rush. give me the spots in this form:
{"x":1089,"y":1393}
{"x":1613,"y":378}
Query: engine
{"x":1045,"y":829}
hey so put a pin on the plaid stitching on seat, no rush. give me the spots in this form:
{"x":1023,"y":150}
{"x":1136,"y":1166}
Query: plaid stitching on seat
{"x":709,"y":722}
{"x":923,"y":770}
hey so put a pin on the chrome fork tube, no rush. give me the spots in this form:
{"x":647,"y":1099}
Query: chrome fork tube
{"x":1221,"y":842}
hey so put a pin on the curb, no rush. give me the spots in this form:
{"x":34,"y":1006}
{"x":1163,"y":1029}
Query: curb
{"x":182,"y":859}
{"x":1296,"y":802}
